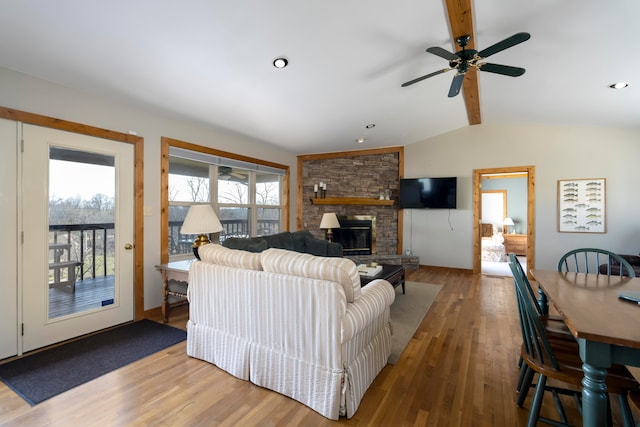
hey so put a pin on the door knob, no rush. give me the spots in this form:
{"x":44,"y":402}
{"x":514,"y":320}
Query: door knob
{"x":128,"y":246}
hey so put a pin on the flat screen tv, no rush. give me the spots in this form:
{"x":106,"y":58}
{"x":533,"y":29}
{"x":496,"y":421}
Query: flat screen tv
{"x":428,"y":193}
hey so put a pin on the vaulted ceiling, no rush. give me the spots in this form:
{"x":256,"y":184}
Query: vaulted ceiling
{"x":211,"y":63}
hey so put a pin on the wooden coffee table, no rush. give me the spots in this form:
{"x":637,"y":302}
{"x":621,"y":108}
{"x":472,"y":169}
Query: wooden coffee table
{"x":393,"y":274}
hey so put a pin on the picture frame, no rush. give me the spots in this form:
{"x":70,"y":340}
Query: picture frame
{"x":582,"y":205}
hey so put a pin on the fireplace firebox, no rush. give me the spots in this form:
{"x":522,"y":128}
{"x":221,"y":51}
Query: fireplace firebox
{"x":357,"y":234}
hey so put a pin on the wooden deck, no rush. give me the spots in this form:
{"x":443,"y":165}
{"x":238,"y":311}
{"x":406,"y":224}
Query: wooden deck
{"x":89,"y":294}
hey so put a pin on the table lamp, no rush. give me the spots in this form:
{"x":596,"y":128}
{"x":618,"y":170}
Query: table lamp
{"x":329,"y":221}
{"x":508,"y":222}
{"x":200,"y":220}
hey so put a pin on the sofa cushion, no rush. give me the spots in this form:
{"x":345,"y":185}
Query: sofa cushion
{"x":258,"y":246}
{"x":280,"y":240}
{"x":315,"y":246}
{"x":339,"y":270}
{"x":216,"y":254}
{"x":299,"y":240}
{"x":243,"y":243}
{"x":334,"y":249}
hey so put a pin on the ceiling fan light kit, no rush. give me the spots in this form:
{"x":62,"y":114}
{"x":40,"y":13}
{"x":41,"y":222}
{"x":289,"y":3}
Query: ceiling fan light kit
{"x":463,"y":60}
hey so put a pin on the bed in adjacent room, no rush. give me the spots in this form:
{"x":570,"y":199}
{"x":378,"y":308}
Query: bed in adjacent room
{"x":492,"y":244}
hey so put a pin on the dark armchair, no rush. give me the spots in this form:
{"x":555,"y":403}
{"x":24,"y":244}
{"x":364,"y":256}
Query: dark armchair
{"x":634,"y":260}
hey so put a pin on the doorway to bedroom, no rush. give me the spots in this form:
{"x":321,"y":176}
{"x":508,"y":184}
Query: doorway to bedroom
{"x":504,"y":207}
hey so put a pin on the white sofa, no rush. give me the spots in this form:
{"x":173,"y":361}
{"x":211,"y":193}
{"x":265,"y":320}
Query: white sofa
{"x":291,"y":322}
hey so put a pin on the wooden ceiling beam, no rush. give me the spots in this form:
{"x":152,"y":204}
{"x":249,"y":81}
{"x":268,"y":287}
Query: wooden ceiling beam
{"x":461,"y":23}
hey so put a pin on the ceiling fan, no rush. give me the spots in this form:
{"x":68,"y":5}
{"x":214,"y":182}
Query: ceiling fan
{"x":226,"y":173}
{"x":465,"y":59}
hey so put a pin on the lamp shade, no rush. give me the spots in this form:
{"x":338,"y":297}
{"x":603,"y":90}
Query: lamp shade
{"x":201,"y":219}
{"x":329,"y":220}
{"x":508,"y":221}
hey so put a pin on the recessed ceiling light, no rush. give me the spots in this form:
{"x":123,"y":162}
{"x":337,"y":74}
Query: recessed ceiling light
{"x":360,"y":140}
{"x":619,"y":85}
{"x":280,"y":62}
{"x":370,"y":126}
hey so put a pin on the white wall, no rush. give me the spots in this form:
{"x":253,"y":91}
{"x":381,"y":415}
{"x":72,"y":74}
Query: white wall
{"x":8,"y":254}
{"x":22,"y":92}
{"x":557,"y":153}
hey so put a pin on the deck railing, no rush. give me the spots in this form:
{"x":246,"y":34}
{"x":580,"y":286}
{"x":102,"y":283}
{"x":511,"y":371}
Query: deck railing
{"x":179,"y":244}
{"x":93,"y":245}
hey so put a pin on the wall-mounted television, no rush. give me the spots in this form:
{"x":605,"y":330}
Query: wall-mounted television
{"x":428,"y":193}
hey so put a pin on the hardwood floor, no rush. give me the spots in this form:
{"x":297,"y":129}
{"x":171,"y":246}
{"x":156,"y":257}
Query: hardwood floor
{"x":458,"y":370}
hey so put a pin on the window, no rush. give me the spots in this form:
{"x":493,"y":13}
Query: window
{"x":247,"y":197}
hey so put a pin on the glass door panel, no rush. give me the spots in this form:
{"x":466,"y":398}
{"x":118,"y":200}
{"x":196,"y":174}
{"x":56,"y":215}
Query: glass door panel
{"x":81,"y":231}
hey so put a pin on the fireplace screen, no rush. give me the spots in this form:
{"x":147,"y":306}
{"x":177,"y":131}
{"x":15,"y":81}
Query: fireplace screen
{"x":357,"y":234}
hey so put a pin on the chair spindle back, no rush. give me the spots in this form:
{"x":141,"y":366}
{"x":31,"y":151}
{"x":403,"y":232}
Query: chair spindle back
{"x":589,"y":260}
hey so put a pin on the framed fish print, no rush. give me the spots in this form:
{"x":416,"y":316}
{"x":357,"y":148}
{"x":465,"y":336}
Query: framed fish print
{"x":581,"y":205}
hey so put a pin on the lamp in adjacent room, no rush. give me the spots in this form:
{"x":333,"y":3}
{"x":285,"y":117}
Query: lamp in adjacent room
{"x":329,"y":221}
{"x":508,"y":222}
{"x":200,"y":220}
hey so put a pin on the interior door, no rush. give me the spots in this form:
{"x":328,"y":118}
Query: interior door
{"x":77,"y":257}
{"x":506,"y":172}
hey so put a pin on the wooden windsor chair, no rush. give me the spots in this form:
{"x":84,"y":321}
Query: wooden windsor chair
{"x":554,"y":325}
{"x":594,"y":260}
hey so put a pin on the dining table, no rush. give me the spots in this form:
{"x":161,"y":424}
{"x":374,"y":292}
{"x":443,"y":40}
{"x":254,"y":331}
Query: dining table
{"x":606,"y":327}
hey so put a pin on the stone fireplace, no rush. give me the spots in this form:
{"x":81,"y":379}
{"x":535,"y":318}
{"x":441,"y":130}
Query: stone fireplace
{"x":354,"y":183}
{"x":357,"y":234}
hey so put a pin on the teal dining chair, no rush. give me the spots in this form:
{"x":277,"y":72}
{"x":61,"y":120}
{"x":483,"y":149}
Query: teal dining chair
{"x":634,"y":396}
{"x":594,"y":260}
{"x":554,"y":325}
{"x":553,"y":359}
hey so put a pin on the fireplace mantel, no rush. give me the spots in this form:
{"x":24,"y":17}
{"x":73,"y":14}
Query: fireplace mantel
{"x":351,"y":201}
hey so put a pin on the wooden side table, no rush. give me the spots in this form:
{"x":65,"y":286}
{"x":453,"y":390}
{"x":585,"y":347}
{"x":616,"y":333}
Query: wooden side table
{"x":175,"y":279}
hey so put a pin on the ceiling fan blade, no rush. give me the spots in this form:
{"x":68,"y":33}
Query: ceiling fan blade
{"x":456,"y":84}
{"x":505,"y":70}
{"x":239,"y":175}
{"x":419,"y":79}
{"x":442,"y":53}
{"x":504,"y":44}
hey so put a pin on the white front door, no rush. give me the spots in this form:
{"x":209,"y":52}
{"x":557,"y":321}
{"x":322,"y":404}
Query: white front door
{"x":78,"y":227}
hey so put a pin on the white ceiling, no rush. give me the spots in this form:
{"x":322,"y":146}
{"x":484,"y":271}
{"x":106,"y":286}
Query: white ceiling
{"x":211,"y":62}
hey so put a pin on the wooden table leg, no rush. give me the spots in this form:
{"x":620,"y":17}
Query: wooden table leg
{"x":594,"y":388}
{"x":165,"y":297}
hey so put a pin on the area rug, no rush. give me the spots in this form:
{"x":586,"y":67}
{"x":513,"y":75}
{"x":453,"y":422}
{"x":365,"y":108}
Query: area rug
{"x":407,"y":312}
{"x":48,"y":373}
